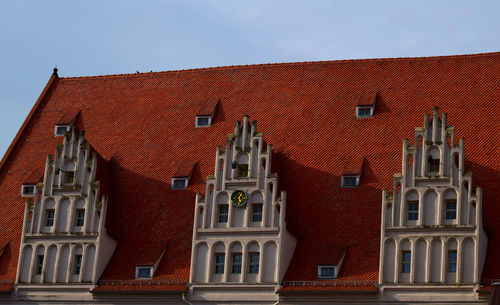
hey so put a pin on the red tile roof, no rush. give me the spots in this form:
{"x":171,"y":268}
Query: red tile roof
{"x":184,"y":168}
{"x":367,"y":99}
{"x":68,"y":118}
{"x":208,"y":107}
{"x":353,"y":165}
{"x":143,"y":123}
{"x":35,"y":176}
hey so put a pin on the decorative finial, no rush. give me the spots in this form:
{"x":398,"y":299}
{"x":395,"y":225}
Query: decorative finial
{"x":55,"y":71}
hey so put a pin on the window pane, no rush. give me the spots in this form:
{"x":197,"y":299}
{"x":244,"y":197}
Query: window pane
{"x":327,"y":272}
{"x":144,"y":272}
{"x":223,"y":213}
{"x":219,"y":263}
{"x":236,"y":269}
{"x":257,"y":213}
{"x":254,"y":263}
{"x":202,"y":121}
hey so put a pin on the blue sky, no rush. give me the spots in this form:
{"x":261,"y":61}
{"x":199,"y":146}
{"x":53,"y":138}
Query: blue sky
{"x":108,"y":37}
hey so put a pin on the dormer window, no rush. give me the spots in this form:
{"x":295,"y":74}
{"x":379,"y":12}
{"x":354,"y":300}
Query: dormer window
{"x":206,"y":113}
{"x":179,"y":183}
{"x":365,"y":106}
{"x":203,"y":121}
{"x":28,"y":190}
{"x":364,"y":112}
{"x":350,"y":180}
{"x":180,"y":180}
{"x":60,"y":130}
{"x":143,"y":272}
{"x":327,"y":272}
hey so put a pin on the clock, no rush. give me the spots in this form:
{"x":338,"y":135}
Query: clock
{"x":239,"y":198}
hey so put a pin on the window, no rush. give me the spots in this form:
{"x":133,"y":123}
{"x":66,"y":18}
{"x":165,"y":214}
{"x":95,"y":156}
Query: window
{"x":350,"y":181}
{"x":144,"y":272}
{"x":257,"y":212}
{"x":219,"y":263}
{"x":223,"y":213}
{"x":80,"y":217}
{"x":179,"y":183}
{"x":253,"y":267}
{"x":28,"y":190}
{"x":327,"y":272}
{"x":433,"y":164}
{"x":405,"y":261}
{"x":39,"y":264}
{"x":78,"y":264}
{"x":236,"y":266}
{"x":451,"y":209}
{"x":364,"y":112}
{"x":49,"y":218}
{"x":69,"y":177}
{"x":60,"y":130}
{"x":243,"y":170}
{"x":203,"y":121}
{"x":412,"y":210}
{"x":452,"y":261}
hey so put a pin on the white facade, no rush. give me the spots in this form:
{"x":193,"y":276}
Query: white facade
{"x":240,"y":253}
{"x":64,"y":243}
{"x":432,"y":238}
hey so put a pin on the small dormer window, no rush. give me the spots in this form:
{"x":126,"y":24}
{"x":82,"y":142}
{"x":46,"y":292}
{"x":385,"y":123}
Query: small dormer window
{"x":366,"y":104}
{"x":206,"y":113}
{"x":364,"y":112}
{"x":60,"y":130}
{"x":28,"y":190}
{"x":179,"y":183}
{"x":143,"y":272}
{"x":327,"y":271}
{"x":203,"y":121}
{"x":350,"y":180}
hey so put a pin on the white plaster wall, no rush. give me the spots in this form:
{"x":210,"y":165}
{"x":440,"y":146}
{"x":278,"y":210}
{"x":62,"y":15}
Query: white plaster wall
{"x":63,"y":264}
{"x":51,"y":264}
{"x":436,"y":250}
{"x":430,"y":208}
{"x":201,"y":263}
{"x":26,"y":263}
{"x":269,"y":263}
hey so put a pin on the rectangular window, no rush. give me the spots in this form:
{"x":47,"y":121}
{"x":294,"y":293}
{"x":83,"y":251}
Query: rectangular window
{"x":236,"y":267}
{"x":219,"y":263}
{"x":451,"y":209}
{"x":28,"y":190}
{"x":243,"y":170}
{"x":69,"y":177}
{"x":202,"y":121}
{"x":61,"y":130}
{"x":253,"y":267}
{"x":39,"y":264}
{"x":326,"y":272}
{"x":78,"y":264}
{"x":452,"y":261}
{"x":80,"y":217}
{"x":364,"y":112}
{"x":223,"y":213}
{"x":257,"y":212}
{"x":49,"y":218}
{"x":179,"y":184}
{"x":412,"y":210}
{"x":405,"y":261}
{"x":349,"y":181}
{"x":143,"y":272}
{"x":433,"y":165}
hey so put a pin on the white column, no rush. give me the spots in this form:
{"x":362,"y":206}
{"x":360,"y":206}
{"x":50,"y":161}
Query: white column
{"x":421,"y":208}
{"x":83,"y":263}
{"x":413,"y":261}
{"x":58,"y":259}
{"x":227,"y":254}
{"x":428,"y":243}
{"x":71,"y":260}
{"x":397,"y":258}
{"x":443,"y":260}
{"x":70,"y":216}
{"x":210,"y":266}
{"x":261,"y":263}
{"x":244,"y":263}
{"x":439,"y":207}
{"x":459,"y":260}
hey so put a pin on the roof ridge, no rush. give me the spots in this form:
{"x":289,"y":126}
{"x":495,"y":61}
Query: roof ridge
{"x":360,"y":60}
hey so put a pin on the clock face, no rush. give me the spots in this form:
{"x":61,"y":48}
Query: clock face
{"x":239,"y":198}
